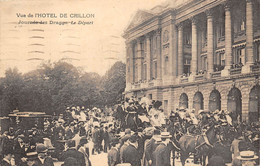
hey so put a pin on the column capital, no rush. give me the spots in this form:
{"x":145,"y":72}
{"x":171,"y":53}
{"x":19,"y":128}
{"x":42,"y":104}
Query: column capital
{"x":129,"y":43}
{"x":158,"y":31}
{"x":149,"y":35}
{"x":194,"y":20}
{"x":180,"y":26}
{"x":227,"y":5}
{"x":139,"y":40}
{"x":209,"y":13}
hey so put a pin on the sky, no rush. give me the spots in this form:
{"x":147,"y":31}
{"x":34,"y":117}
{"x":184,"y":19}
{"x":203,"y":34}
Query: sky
{"x":93,"y":47}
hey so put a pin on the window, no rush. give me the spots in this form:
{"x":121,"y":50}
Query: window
{"x":142,"y":49}
{"x":144,"y":72}
{"x":150,"y":96}
{"x":187,"y":38}
{"x":154,"y":46}
{"x":186,"y":66}
{"x":222,"y":59}
{"x":205,"y":63}
{"x":240,"y":57}
{"x":222,"y":29}
{"x":136,"y":73}
{"x":166,"y":65}
{"x":155,"y":69}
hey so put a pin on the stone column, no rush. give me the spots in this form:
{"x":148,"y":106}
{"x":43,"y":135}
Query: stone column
{"x":180,"y":49}
{"x":148,"y":56}
{"x":139,"y":59}
{"x":127,"y":73}
{"x":194,"y":46}
{"x":159,"y":55}
{"x":228,"y":36}
{"x":249,"y":32}
{"x":174,"y":50}
{"x":131,"y":62}
{"x":210,"y":41}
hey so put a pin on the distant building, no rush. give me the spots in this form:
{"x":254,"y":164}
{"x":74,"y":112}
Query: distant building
{"x":201,"y":54}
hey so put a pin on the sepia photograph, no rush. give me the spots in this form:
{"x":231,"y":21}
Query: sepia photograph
{"x":129,"y":82}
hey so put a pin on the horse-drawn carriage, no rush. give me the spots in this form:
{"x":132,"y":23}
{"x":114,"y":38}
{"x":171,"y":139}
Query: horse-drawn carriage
{"x":23,"y":120}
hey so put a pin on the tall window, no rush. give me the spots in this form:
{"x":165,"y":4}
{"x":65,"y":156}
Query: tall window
{"x":187,"y":38}
{"x":142,"y":49}
{"x":166,"y":62}
{"x":155,"y":69}
{"x":187,"y":65}
{"x":240,"y":19}
{"x":144,"y":72}
{"x":240,"y":56}
{"x":222,"y":59}
{"x":205,"y":63}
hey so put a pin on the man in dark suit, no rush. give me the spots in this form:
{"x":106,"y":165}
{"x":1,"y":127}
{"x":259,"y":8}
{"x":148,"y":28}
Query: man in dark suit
{"x":113,"y":154}
{"x":162,"y":153}
{"x":72,"y":152}
{"x":131,"y":154}
{"x":150,"y":148}
{"x":19,"y":150}
{"x":43,"y":159}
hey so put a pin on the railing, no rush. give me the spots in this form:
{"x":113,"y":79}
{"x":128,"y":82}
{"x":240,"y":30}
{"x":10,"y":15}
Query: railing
{"x":151,"y":83}
{"x":216,"y":74}
{"x":255,"y":68}
{"x":199,"y":77}
{"x":235,"y":71}
{"x":137,"y":85}
{"x":185,"y":79}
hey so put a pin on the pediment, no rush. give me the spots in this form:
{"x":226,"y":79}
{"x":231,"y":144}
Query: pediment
{"x":139,"y":17}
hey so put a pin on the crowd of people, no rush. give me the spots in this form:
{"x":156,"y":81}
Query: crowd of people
{"x":133,"y":132}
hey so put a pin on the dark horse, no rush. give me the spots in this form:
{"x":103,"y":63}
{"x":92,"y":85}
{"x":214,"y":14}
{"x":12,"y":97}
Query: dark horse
{"x":201,"y":144}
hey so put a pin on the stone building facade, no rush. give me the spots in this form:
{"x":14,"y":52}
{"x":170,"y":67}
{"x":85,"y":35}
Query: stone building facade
{"x":201,"y":54}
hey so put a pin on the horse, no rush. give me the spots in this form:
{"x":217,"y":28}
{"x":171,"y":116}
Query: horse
{"x":197,"y":144}
{"x":120,"y":115}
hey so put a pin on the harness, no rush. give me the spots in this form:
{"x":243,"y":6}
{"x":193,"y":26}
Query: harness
{"x":134,"y":118}
{"x":206,"y":141}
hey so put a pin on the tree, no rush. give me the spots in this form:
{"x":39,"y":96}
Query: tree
{"x":54,"y":86}
{"x":11,"y":86}
{"x":113,"y":83}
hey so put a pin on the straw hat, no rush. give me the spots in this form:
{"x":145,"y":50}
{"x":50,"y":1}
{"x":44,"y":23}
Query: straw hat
{"x":247,"y":155}
{"x":165,"y":135}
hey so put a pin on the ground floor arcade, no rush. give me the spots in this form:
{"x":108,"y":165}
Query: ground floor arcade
{"x":239,"y":95}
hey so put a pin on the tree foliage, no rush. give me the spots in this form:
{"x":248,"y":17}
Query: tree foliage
{"x":113,"y":83}
{"x":54,"y":86}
